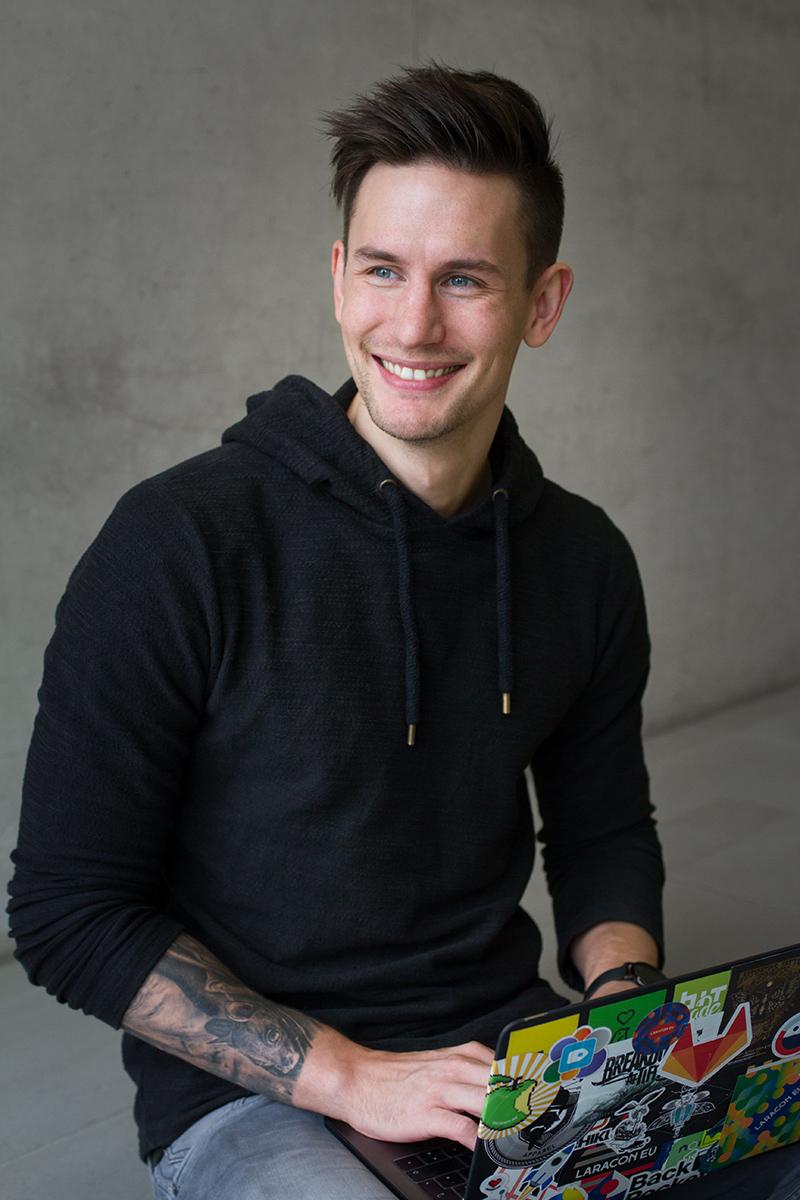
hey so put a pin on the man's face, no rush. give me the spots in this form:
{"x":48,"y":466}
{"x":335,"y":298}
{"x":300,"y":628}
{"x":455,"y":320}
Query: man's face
{"x":434,"y":279}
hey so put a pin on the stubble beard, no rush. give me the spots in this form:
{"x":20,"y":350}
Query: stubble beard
{"x":448,"y":423}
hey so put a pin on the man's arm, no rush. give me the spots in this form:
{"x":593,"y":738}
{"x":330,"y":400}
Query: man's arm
{"x":601,"y":852}
{"x":191,"y":1006}
{"x":609,"y":945}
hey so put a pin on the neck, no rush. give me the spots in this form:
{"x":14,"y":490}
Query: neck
{"x":449,"y":473}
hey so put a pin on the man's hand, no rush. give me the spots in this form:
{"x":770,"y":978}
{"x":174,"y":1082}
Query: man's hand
{"x":192,"y":1006}
{"x":398,"y":1097}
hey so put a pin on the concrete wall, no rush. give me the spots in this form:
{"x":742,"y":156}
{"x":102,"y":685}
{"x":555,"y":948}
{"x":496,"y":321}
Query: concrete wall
{"x":166,"y":229}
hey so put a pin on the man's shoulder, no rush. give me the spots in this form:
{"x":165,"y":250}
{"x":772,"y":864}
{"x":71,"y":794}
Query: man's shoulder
{"x":580,"y":526}
{"x":211,"y":472}
{"x":210,"y":487}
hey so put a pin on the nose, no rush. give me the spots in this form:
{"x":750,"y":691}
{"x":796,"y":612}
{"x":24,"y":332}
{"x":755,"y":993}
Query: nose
{"x":418,"y":317}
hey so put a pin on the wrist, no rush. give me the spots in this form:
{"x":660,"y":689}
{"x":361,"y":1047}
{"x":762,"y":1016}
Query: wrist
{"x":606,"y":946}
{"x":639,"y":973}
{"x":332,"y":1068}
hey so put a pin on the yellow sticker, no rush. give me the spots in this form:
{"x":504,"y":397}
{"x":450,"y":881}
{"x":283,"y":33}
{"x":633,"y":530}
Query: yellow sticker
{"x":540,"y":1038}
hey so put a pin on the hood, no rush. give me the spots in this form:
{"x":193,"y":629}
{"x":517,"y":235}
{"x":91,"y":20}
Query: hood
{"x":306,"y":429}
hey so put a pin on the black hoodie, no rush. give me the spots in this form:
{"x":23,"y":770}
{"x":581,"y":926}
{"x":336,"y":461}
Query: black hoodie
{"x":222,"y":744}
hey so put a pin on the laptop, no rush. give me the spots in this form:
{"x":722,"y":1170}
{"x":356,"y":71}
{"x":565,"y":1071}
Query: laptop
{"x":623,"y":1096}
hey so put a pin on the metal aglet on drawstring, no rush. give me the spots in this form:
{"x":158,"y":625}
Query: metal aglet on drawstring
{"x":412,"y":735}
{"x":505,"y":668}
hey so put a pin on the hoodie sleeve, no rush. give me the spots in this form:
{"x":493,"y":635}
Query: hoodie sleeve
{"x":601,"y":853}
{"x":125,"y":677}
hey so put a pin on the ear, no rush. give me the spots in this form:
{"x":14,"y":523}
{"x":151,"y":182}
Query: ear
{"x":337,"y":271}
{"x":549,"y":297}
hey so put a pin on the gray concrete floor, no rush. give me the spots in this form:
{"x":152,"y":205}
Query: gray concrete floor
{"x":727,"y":790}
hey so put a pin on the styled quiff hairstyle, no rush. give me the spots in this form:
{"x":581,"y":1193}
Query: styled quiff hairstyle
{"x":470,"y":120}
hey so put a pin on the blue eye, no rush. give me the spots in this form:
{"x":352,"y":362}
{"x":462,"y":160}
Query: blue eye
{"x":464,"y":279}
{"x":388,"y":272}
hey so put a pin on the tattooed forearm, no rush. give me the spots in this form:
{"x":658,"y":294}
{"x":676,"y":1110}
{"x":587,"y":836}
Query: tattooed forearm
{"x":190,"y":1005}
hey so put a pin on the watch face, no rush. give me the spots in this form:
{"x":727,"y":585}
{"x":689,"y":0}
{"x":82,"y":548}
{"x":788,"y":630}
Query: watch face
{"x":644,"y":973}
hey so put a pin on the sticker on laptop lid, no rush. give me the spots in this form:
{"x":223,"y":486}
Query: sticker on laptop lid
{"x":764,"y":1112}
{"x":539,"y":1038}
{"x":694,"y":1058}
{"x":623,"y":1017}
{"x":704,"y":996}
{"x":786,"y":1043}
{"x":660,"y":1028}
{"x":517,"y":1095}
{"x":773,"y":991}
{"x":578,"y":1055}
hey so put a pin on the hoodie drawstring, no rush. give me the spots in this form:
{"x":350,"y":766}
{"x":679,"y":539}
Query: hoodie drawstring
{"x":389,"y":490}
{"x":505,"y":669}
{"x":505,"y":658}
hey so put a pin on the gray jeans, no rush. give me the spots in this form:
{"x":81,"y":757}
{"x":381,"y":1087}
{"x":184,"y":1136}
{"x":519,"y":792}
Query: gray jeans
{"x":257,"y":1149}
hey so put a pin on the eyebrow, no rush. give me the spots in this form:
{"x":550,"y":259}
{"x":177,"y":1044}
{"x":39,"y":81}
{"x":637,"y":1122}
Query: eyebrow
{"x":372,"y":254}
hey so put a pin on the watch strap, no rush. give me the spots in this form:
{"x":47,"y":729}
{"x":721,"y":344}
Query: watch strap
{"x":640,"y":973}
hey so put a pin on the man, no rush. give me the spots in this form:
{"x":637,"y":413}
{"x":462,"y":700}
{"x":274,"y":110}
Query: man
{"x":275,"y":821}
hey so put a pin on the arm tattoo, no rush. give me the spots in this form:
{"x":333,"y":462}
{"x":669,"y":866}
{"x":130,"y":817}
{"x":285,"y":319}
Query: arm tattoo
{"x":190,"y":1005}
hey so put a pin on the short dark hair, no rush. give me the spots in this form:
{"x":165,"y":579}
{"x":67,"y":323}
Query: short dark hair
{"x":470,"y":120}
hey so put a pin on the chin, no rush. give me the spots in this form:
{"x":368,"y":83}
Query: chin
{"x":414,"y":430}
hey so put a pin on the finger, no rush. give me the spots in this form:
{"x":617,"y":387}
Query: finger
{"x":467,"y":1072}
{"x":465,"y":1098}
{"x":456,"y":1127}
{"x":475,"y":1050}
{"x":478,"y":1051}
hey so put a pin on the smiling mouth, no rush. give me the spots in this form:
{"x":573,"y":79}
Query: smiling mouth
{"x":403,"y":371}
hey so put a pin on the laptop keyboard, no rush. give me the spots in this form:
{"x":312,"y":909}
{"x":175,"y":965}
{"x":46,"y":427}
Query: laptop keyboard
{"x":441,"y":1172}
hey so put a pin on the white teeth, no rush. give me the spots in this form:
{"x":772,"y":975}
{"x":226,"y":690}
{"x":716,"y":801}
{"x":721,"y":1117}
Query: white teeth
{"x":416,"y":373}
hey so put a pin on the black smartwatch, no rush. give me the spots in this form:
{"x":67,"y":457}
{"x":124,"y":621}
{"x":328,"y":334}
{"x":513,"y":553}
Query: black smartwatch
{"x":640,"y":973}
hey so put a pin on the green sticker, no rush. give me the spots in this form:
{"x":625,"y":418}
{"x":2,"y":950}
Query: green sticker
{"x":704,"y":996}
{"x":622,"y":1016}
{"x":506,"y":1105}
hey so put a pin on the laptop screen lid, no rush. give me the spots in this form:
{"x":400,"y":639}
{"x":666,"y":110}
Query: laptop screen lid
{"x":624,"y":1095}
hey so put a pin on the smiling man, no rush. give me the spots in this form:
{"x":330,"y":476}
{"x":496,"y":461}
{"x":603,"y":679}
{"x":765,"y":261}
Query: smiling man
{"x":431,"y":336}
{"x":276,"y":822}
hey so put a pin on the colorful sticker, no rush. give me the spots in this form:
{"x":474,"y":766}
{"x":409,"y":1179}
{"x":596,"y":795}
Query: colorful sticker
{"x":692,"y":1060}
{"x":611,"y":1186}
{"x":623,"y":1016}
{"x":503,"y":1184}
{"x":496,"y":1184}
{"x":786,"y":1043}
{"x":704,"y":996}
{"x":537,"y":1180}
{"x":578,"y":1055}
{"x":539,"y":1038}
{"x":516,"y":1184}
{"x":570,"y":1192}
{"x":691,"y":1145}
{"x":662,"y":1026}
{"x":517,"y":1095}
{"x":764,"y":1112}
